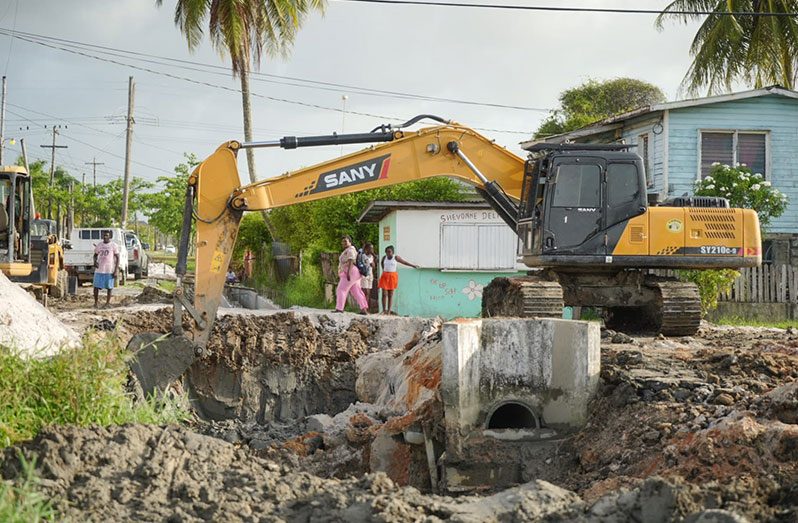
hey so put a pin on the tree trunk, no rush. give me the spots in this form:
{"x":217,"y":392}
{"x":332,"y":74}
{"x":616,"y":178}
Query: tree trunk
{"x":245,"y":99}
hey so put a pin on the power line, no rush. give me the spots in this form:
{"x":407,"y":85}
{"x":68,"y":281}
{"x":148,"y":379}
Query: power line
{"x":569,"y":9}
{"x":263,"y":77}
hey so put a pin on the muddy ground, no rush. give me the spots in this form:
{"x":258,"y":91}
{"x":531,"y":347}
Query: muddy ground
{"x":702,"y":428}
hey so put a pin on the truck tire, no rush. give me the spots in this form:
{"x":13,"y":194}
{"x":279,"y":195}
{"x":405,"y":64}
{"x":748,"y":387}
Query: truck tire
{"x":137,"y":274}
{"x":59,"y":290}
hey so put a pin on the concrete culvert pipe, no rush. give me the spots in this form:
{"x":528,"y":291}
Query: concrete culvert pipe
{"x":512,"y":415}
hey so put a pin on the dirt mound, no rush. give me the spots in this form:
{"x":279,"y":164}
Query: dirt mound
{"x":147,"y":473}
{"x":715,"y":411}
{"x":144,"y":473}
{"x":149,"y":294}
{"x":26,"y":326}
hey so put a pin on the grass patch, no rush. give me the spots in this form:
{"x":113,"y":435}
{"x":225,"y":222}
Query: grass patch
{"x":738,"y":321}
{"x":167,"y":285}
{"x":307,"y":288}
{"x":81,"y":387}
{"x":21,"y":502}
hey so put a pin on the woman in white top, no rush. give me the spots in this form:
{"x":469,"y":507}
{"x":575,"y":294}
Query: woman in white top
{"x":389,"y":280}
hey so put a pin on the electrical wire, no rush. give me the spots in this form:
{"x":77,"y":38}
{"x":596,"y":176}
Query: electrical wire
{"x":570,"y":9}
{"x":259,"y":76}
{"x":238,"y":91}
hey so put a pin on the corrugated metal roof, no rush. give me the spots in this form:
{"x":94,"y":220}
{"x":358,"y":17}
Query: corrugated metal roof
{"x":616,"y":121}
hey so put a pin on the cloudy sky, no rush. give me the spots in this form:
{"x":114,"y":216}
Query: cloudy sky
{"x":503,"y":57}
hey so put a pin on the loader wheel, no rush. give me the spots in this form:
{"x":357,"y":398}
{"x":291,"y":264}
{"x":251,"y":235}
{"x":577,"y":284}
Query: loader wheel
{"x":59,"y":289}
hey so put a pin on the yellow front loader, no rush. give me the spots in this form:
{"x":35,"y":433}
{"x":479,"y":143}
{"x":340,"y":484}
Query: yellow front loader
{"x":580,"y":212}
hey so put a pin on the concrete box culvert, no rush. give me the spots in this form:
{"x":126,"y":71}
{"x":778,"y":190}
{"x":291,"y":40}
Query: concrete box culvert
{"x":512,"y":414}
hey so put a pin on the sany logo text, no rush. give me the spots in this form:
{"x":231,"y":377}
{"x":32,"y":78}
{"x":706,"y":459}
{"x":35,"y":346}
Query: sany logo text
{"x":362,"y":172}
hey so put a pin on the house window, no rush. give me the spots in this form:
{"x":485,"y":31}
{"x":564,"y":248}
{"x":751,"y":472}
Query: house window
{"x":732,"y":147}
{"x":477,"y":247}
{"x":643,"y":151}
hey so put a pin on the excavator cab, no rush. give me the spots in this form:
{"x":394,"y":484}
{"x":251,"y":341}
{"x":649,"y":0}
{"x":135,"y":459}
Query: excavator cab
{"x":576,"y":200}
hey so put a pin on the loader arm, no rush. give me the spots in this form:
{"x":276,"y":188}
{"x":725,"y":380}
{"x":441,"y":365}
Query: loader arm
{"x":216,"y":200}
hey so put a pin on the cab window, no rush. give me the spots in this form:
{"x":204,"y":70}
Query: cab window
{"x":578,"y":185}
{"x":623,"y":184}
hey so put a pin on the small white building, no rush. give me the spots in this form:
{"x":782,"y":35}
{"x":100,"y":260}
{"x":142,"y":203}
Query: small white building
{"x":460,"y":246}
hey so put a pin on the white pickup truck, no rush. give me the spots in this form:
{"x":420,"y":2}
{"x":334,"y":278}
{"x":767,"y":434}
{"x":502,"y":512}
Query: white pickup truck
{"x":79,"y":260}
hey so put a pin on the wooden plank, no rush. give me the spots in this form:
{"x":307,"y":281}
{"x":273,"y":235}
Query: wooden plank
{"x":766,"y":284}
{"x":794,"y":285}
{"x":754,"y":288}
{"x":782,"y":283}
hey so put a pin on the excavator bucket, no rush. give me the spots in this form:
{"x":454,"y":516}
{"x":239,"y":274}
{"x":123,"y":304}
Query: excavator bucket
{"x":159,"y":360}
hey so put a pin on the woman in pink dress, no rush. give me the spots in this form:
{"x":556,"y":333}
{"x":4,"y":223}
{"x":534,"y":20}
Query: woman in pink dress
{"x":349,"y":278}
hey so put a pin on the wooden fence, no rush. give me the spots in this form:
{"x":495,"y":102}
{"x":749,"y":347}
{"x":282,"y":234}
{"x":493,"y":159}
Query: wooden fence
{"x":765,"y":284}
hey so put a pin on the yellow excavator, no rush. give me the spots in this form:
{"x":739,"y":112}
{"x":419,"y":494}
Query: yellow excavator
{"x":30,"y":251}
{"x":580,"y":211}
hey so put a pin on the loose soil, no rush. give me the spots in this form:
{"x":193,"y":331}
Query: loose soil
{"x":702,"y":428}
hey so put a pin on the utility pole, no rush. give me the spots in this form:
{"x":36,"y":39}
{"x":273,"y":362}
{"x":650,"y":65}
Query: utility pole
{"x":131,"y":91}
{"x":52,"y":168}
{"x":71,"y":211}
{"x":3,"y":121}
{"x":94,"y":163}
{"x":24,"y":154}
{"x":83,"y":205}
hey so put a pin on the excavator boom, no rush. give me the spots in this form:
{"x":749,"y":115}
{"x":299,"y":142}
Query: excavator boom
{"x":216,"y":200}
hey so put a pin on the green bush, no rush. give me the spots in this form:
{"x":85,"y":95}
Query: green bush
{"x":82,"y":386}
{"x":307,"y":288}
{"x":744,"y":189}
{"x":711,"y":283}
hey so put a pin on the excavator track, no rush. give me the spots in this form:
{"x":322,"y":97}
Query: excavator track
{"x":528,"y":297}
{"x":678,"y":311}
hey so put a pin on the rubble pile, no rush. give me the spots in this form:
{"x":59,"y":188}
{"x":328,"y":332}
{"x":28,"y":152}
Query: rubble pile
{"x":174,"y":474}
{"x":306,"y":415}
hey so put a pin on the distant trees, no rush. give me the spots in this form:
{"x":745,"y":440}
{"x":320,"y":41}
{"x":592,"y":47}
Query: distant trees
{"x":164,"y":207}
{"x":98,"y":206}
{"x":756,"y":50}
{"x":594,"y":100}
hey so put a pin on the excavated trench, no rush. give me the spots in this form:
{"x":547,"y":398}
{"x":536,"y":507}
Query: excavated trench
{"x":280,"y":367}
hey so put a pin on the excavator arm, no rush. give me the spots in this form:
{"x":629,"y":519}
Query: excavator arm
{"x":216,"y":200}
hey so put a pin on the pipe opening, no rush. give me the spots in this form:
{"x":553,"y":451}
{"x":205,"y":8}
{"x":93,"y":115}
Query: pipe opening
{"x":512,"y":415}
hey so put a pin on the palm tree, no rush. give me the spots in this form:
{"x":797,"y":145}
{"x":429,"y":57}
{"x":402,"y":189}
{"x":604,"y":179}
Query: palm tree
{"x":243,"y":29}
{"x":758,"y":50}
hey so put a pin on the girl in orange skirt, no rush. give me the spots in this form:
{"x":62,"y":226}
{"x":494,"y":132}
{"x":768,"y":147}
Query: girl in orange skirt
{"x":389,"y":280}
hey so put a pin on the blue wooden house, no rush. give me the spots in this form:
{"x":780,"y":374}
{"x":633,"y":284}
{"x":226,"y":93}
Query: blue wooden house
{"x":679,"y":141}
